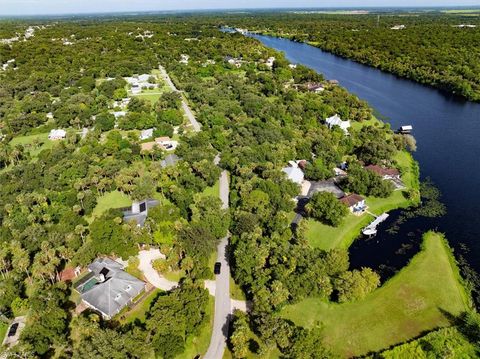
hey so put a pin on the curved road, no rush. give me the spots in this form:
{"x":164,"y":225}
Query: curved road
{"x":218,"y":340}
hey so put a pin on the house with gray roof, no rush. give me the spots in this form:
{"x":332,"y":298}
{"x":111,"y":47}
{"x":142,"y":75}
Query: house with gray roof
{"x":138,"y":212}
{"x":107,"y":288}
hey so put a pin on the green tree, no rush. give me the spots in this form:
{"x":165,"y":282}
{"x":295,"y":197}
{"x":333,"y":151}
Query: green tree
{"x":325,"y":207}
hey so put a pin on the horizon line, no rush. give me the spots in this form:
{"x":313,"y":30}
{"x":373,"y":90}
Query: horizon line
{"x":196,"y":10}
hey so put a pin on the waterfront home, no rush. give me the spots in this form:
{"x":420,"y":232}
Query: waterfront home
{"x":385,"y":173}
{"x":57,"y":134}
{"x":355,"y":203}
{"x":107,"y":288}
{"x":315,"y":87}
{"x":337,"y":121}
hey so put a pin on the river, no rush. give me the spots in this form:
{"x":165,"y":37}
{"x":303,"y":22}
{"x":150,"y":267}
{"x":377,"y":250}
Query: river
{"x":447,"y":130}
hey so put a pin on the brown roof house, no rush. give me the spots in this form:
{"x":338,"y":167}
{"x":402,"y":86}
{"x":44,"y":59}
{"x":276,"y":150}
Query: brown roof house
{"x":355,"y":203}
{"x":385,"y":173}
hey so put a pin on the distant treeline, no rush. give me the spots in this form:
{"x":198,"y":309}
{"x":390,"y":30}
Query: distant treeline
{"x":431,"y":48}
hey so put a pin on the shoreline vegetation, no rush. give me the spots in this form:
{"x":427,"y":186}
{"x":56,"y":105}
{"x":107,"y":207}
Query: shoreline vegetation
{"x":406,"y":46}
{"x":409,"y":304}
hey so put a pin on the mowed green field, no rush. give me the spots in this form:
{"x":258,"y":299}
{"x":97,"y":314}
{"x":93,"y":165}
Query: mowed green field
{"x":407,"y":305}
{"x":3,"y":331}
{"x":114,"y":199}
{"x":34,"y":143}
{"x":326,"y":237}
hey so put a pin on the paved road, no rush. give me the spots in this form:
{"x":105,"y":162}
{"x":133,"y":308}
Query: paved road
{"x":146,"y":258}
{"x":188,"y":112}
{"x":218,"y":340}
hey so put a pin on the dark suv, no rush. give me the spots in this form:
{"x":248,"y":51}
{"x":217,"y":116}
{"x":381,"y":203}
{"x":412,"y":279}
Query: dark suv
{"x":217,"y":267}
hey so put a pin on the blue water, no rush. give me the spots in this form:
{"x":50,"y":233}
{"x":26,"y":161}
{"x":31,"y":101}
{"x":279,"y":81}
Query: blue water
{"x":447,"y":130}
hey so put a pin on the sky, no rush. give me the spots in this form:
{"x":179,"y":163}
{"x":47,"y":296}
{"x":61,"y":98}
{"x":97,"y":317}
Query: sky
{"x":44,"y":7}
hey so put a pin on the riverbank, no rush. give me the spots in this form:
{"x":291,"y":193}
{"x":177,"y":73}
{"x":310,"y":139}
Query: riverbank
{"x":420,"y":73}
{"x":326,"y":237}
{"x":415,"y":300}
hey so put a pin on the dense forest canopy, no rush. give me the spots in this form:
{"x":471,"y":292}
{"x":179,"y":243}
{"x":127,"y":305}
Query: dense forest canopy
{"x":431,"y":48}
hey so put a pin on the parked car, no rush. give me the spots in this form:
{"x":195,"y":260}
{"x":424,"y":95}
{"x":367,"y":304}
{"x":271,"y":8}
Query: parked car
{"x":217,"y":267}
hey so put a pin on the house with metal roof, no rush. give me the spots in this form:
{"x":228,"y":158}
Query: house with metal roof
{"x":294,"y":174}
{"x":337,"y":121}
{"x":107,"y":288}
{"x":138,"y":212}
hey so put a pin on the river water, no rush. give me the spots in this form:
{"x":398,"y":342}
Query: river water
{"x":447,"y":130}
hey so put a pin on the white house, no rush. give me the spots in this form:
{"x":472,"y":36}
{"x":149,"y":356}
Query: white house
{"x":146,"y":134}
{"x":398,"y":27}
{"x":337,"y":121}
{"x":294,"y":174}
{"x":292,"y":66}
{"x":57,"y":134}
{"x":355,"y":203}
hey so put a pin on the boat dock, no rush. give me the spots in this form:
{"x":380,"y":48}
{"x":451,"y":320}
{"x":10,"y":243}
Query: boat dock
{"x":371,"y":229}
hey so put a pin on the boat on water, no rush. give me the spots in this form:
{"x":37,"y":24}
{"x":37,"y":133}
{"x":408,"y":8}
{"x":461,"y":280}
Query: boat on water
{"x":407,"y":129}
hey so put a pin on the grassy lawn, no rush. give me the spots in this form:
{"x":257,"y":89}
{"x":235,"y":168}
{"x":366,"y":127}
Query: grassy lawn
{"x":327,"y":237}
{"x":198,"y":345}
{"x":235,"y":291}
{"x":140,"y":311}
{"x":29,"y":143}
{"x":212,"y":190}
{"x":114,"y":199}
{"x":3,"y":330}
{"x":150,"y":96}
{"x":174,"y":276}
{"x":403,"y":308}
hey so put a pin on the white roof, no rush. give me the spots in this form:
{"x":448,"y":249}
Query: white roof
{"x":337,"y":121}
{"x":294,"y":174}
{"x":57,"y":133}
{"x":143,"y":78}
{"x":146,"y":134}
